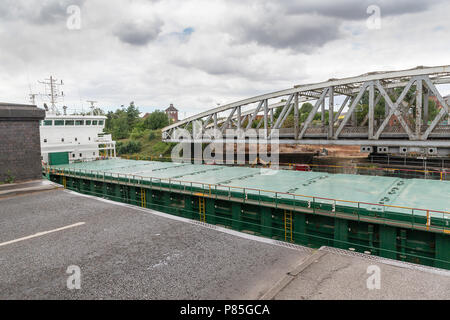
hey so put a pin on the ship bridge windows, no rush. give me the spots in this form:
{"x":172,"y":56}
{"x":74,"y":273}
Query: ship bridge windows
{"x":94,"y":122}
{"x":79,"y":122}
{"x":88,"y":122}
{"x":70,"y":122}
{"x":59,"y":122}
{"x":100,"y":123}
{"x":48,"y":122}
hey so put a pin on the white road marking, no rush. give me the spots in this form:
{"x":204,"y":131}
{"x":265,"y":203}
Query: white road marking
{"x":41,"y":233}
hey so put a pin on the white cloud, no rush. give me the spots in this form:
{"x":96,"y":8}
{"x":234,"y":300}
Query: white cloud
{"x":197,"y":53}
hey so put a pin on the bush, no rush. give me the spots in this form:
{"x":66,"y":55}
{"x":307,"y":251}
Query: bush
{"x":9,"y":178}
{"x":128,"y":147}
{"x":136,"y":133}
{"x":156,"y":120}
{"x":152,"y":135}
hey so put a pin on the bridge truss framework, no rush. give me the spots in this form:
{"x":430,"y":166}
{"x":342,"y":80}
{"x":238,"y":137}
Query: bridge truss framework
{"x":412,"y":132}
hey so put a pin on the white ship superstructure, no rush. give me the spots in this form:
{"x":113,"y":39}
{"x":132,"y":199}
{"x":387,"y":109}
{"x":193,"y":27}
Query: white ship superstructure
{"x":81,"y":136}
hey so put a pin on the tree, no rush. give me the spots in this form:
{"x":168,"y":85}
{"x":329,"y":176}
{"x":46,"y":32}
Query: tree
{"x":306,"y":107}
{"x":289,"y":122}
{"x":132,"y":114}
{"x":120,"y":128}
{"x":108,"y":123}
{"x":156,"y":120}
{"x":128,"y":147}
{"x":121,"y":122}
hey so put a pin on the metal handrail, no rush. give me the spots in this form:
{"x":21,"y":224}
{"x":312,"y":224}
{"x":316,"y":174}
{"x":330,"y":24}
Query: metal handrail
{"x":276,"y":193}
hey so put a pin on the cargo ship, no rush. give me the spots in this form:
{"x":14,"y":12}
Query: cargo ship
{"x":67,"y":138}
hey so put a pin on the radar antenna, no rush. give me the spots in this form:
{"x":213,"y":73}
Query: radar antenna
{"x":92,"y":106}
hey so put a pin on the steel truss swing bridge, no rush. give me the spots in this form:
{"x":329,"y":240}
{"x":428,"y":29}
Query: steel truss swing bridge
{"x":406,"y":126}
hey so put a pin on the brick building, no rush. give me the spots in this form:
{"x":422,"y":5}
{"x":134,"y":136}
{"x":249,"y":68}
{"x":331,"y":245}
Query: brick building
{"x":172,"y":113}
{"x":20,"y":148}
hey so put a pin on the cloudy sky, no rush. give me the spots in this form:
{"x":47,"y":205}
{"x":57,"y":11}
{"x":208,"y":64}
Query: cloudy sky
{"x":200,"y":53}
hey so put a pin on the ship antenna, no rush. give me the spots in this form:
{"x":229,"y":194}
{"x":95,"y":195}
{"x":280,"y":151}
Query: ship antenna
{"x":54,"y":94}
{"x":33,"y":98}
{"x":31,"y":95}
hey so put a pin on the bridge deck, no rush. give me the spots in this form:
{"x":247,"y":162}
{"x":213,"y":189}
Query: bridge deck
{"x":364,"y":191}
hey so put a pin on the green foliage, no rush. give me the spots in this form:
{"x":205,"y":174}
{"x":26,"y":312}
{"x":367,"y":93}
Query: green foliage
{"x":128,"y":147}
{"x":161,"y":148}
{"x":379,"y":112}
{"x":304,"y":111}
{"x":306,"y":108}
{"x":121,"y":122}
{"x":136,"y":133}
{"x":120,"y":128}
{"x":289,"y":122}
{"x":132,"y":114}
{"x":125,"y":123}
{"x":156,"y":120}
{"x":9,"y":177}
{"x":254,"y":123}
{"x":277,"y":112}
{"x":432,"y":110}
{"x":152,"y":135}
{"x":139,"y":130}
{"x":361,"y":112}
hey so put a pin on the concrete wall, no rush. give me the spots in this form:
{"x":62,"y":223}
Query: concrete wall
{"x":20,"y":148}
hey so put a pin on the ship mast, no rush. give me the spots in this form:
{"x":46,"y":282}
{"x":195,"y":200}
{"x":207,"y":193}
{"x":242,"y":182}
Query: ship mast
{"x":33,"y":98}
{"x":51,"y":85}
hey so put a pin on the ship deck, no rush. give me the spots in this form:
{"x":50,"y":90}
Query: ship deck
{"x":377,"y":193}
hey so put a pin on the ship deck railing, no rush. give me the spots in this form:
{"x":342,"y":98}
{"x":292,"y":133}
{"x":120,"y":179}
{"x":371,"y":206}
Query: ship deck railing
{"x":399,"y":216}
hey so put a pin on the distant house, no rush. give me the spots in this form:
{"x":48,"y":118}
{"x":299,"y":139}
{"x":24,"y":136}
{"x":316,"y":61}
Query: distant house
{"x":172,"y":113}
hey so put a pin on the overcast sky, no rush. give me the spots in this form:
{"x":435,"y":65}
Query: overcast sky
{"x":198,"y":53}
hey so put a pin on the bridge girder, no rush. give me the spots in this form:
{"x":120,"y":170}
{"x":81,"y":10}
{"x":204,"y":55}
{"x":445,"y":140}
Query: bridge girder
{"x":411,"y":129}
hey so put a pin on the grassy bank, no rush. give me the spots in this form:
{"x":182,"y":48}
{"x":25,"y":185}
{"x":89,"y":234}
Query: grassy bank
{"x":148,"y":144}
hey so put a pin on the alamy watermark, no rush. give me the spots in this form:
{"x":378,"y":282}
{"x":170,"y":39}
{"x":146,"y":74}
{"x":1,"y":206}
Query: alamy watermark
{"x":74,"y":280}
{"x":374,"y":20}
{"x":73,"y":21}
{"x":232,"y":146}
{"x":374,"y":280}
